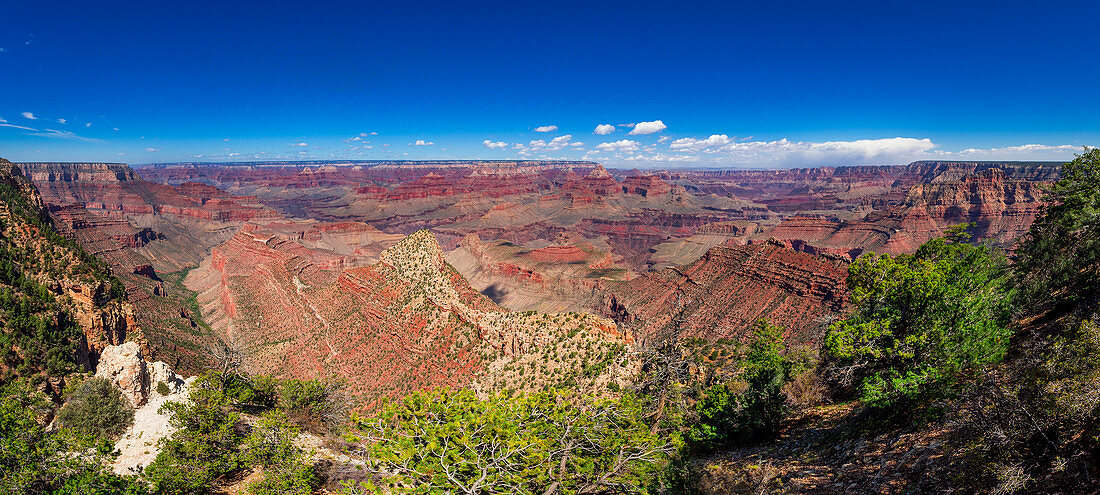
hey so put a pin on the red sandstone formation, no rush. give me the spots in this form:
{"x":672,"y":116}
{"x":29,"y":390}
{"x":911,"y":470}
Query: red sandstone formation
{"x":114,"y":189}
{"x":558,"y":254}
{"x":858,"y":208}
{"x":597,"y":183}
{"x":156,"y":303}
{"x":723,"y":293}
{"x":145,"y":271}
{"x":407,"y":322}
{"x":1001,"y":209}
{"x":426,"y":186}
{"x":646,"y":185}
{"x":496,"y":182}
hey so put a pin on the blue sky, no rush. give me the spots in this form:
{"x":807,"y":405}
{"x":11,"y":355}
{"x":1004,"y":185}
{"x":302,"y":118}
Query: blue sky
{"x":678,"y":84}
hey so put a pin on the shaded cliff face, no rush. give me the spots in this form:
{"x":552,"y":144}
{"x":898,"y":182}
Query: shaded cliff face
{"x":60,"y":305}
{"x":1001,"y":208}
{"x":726,"y":290}
{"x":405,"y":322}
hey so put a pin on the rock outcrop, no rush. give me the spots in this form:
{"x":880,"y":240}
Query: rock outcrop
{"x":646,"y":185}
{"x":723,"y":293}
{"x":139,"y":381}
{"x":124,"y":366}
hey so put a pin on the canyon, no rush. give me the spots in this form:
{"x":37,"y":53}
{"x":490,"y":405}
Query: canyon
{"x":398,"y":276}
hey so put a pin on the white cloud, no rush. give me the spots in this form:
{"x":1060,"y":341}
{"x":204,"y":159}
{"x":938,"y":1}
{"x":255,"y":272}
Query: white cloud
{"x":2,"y":120}
{"x":115,"y":129}
{"x":560,"y":142}
{"x":604,"y":129}
{"x":546,"y":128}
{"x":691,"y":144}
{"x":620,"y":145}
{"x":648,"y":127}
{"x":1023,"y":149}
{"x":29,"y":116}
{"x":152,"y":149}
{"x":495,"y":145}
{"x":858,"y":152}
{"x":300,"y":145}
{"x":720,"y":150}
{"x":62,"y":121}
{"x":421,"y":142}
{"x":18,"y":127}
{"x":89,"y":124}
{"x":660,"y":157}
{"x":56,"y":134}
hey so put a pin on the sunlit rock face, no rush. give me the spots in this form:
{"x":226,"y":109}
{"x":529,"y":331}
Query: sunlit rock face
{"x":723,"y":293}
{"x":124,"y":366}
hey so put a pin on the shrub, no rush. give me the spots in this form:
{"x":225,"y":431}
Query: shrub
{"x":96,"y":409}
{"x":313,"y":404}
{"x":34,"y":461}
{"x":752,"y":407}
{"x":920,"y":319}
{"x":162,"y":388}
{"x":289,"y":479}
{"x":251,"y":392}
{"x":270,"y":445}
{"x":1058,"y":263}
{"x":211,"y":442}
{"x":205,"y":446}
{"x":452,"y":442}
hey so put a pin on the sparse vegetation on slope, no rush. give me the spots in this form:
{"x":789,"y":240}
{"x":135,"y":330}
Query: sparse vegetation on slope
{"x":752,"y":406}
